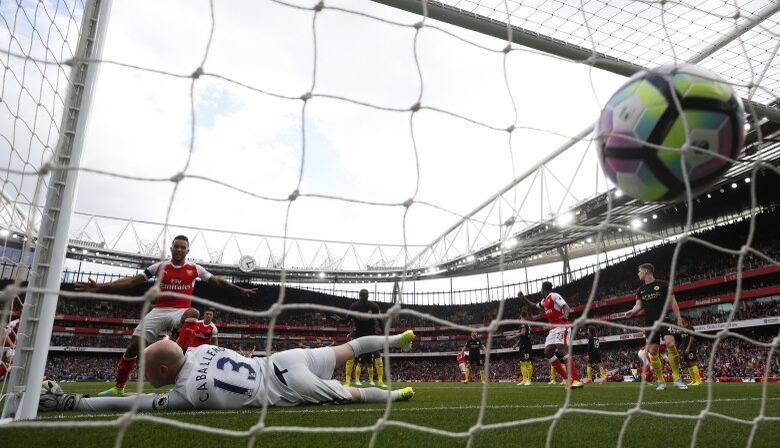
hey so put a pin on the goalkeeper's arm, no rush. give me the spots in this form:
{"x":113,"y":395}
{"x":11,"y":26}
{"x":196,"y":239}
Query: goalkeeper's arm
{"x":146,"y":402}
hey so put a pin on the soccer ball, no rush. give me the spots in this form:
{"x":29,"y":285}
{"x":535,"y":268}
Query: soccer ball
{"x":644,"y":112}
{"x":50,"y":393}
{"x":51,"y":387}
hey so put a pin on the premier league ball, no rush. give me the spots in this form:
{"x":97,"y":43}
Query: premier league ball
{"x":50,"y":394}
{"x":643,"y":114}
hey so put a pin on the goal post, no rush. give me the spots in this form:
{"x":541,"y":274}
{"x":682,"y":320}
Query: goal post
{"x":37,"y":316}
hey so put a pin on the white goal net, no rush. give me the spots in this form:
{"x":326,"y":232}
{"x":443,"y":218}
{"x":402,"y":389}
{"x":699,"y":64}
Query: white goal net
{"x":392,"y":141}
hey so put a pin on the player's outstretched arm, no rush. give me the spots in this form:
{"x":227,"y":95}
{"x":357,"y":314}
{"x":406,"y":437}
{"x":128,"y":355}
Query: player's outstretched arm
{"x":520,"y":295}
{"x":635,"y":309}
{"x":80,"y":402}
{"x":117,"y":285}
{"x":222,"y":283}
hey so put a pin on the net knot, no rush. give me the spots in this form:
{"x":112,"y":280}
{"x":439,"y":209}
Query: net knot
{"x":306,"y":96}
{"x":418,"y":25}
{"x":510,"y":128}
{"x":196,"y":74}
{"x":151,"y":293}
{"x":408,"y":203}
{"x":294,"y":195}
{"x":45,"y":168}
{"x":415,"y":107}
{"x":319,"y":6}
{"x":178,"y":177}
{"x":8,"y":293}
{"x":275,"y":309}
{"x":393,"y":311}
{"x":379,"y":425}
{"x":508,"y":48}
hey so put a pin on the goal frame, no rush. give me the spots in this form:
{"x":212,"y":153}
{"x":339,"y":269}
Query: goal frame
{"x":40,"y":305}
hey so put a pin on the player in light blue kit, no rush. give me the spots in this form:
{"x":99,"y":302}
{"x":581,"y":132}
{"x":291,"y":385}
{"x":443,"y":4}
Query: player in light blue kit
{"x":211,"y":377}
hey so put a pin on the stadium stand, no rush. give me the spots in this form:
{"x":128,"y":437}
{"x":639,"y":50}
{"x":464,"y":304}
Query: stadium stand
{"x":88,"y":337}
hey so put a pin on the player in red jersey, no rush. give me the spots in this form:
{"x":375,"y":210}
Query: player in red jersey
{"x":177,"y":276}
{"x":7,"y":346}
{"x":194,"y":333}
{"x":557,"y":312}
{"x":462,"y":365}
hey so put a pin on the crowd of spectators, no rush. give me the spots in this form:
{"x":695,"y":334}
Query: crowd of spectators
{"x":696,"y":316}
{"x":735,"y":358}
{"x":79,"y":367}
{"x":103,"y":341}
{"x":695,"y":262}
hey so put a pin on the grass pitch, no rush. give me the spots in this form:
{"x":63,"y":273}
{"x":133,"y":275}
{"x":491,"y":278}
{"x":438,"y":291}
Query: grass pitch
{"x":450,"y":407}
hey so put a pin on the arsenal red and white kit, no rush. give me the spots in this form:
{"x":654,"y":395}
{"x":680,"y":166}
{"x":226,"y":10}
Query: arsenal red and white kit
{"x":168,"y":310}
{"x":462,"y":361}
{"x":203,"y":333}
{"x":553,"y":305}
{"x":177,"y":279}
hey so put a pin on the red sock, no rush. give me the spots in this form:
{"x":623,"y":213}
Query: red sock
{"x":575,"y":374}
{"x":558,"y":367}
{"x":123,"y":370}
{"x":186,"y":334}
{"x":3,"y":369}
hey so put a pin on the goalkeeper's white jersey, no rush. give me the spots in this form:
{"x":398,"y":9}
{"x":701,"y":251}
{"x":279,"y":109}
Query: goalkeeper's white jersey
{"x":219,"y":378}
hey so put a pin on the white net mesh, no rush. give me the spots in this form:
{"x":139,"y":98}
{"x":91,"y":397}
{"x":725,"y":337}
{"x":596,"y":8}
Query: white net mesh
{"x":40,"y":44}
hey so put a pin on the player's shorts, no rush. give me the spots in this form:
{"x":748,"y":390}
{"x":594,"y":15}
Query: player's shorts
{"x":557,"y":336}
{"x":476,"y":360}
{"x":594,"y":358}
{"x":659,"y":335}
{"x":367,"y":358}
{"x":687,"y":359}
{"x":525,"y":355}
{"x":157,"y":322}
{"x":306,"y":377}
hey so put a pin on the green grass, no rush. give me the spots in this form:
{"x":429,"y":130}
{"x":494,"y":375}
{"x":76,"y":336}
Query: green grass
{"x":451,"y":407}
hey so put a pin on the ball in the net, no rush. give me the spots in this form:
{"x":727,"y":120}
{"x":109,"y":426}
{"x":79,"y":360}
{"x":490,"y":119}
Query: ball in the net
{"x":647,"y":113}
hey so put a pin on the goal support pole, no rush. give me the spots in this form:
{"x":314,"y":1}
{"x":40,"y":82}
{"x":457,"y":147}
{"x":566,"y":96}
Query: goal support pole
{"x":37,"y":319}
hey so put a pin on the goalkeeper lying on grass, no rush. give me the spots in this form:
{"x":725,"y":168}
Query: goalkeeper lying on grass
{"x":210,"y":377}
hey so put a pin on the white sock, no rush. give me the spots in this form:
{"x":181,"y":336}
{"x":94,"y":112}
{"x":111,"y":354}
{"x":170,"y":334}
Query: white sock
{"x":370,"y":344}
{"x":377,"y":395}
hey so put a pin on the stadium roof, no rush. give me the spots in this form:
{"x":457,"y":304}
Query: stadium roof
{"x":739,"y":42}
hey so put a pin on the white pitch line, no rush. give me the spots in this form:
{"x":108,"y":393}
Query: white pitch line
{"x":347,"y":409}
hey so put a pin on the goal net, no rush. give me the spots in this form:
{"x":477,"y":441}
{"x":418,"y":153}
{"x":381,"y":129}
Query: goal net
{"x":346,"y":145}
